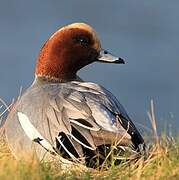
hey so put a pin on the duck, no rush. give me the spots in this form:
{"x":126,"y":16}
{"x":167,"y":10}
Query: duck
{"x":62,"y":115}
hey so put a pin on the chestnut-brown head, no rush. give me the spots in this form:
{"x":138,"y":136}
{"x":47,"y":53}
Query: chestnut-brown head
{"x":68,"y":50}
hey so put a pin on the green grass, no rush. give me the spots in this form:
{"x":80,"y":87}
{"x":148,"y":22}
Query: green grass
{"x":161,"y":161}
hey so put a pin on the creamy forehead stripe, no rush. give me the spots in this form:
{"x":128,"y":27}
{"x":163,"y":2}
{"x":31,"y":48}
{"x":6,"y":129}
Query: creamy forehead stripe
{"x":85,"y":27}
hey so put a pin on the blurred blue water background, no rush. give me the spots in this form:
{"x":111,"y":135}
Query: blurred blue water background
{"x":144,"y":33}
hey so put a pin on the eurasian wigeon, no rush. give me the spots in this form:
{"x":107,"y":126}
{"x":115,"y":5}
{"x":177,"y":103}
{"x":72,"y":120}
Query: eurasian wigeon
{"x":60,"y":114}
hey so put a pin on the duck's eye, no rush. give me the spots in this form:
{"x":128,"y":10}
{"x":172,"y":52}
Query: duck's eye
{"x":82,"y":40}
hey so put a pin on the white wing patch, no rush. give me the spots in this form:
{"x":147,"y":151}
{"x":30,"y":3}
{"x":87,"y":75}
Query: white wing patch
{"x":32,"y":132}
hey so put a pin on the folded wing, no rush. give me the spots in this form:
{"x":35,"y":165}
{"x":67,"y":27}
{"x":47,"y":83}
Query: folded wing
{"x":76,"y":116}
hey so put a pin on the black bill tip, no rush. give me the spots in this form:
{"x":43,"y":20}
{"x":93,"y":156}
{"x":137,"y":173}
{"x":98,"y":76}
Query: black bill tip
{"x":119,"y":61}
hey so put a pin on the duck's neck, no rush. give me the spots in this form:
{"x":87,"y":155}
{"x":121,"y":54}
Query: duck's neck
{"x":40,"y":80}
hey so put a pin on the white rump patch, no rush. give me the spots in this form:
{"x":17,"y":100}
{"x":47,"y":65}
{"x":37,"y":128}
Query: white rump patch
{"x":32,"y":132}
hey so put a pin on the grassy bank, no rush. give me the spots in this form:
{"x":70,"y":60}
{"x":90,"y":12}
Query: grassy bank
{"x":161,"y":161}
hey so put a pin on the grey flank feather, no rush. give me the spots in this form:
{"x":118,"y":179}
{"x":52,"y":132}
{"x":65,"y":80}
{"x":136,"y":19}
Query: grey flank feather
{"x":87,"y":135}
{"x":68,"y":152}
{"x":81,"y":106}
{"x":88,"y":123}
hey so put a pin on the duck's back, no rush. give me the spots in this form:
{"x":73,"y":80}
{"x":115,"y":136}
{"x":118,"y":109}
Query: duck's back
{"x":73,"y":119}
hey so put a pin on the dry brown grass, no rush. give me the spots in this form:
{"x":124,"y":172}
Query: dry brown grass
{"x":161,"y":161}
